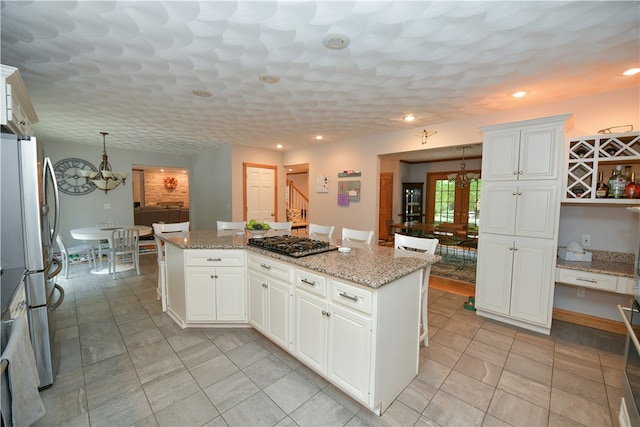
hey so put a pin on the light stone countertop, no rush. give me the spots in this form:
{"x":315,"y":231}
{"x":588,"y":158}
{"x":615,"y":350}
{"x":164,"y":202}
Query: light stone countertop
{"x":368,"y":265}
{"x":603,"y":262}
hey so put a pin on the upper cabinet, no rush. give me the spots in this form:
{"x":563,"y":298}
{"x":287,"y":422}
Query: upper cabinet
{"x":16,"y":112}
{"x":527,"y":150}
{"x":587,"y":157}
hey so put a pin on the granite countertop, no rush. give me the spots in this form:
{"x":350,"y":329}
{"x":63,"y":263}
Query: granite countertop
{"x":368,"y":265}
{"x":603,"y":262}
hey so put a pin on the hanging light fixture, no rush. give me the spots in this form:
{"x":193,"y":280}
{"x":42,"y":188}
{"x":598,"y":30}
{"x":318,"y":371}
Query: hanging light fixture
{"x":462,"y":179}
{"x":105,"y":179}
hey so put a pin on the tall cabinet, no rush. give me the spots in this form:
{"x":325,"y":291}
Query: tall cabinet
{"x":412,"y":201}
{"x":519,"y":218}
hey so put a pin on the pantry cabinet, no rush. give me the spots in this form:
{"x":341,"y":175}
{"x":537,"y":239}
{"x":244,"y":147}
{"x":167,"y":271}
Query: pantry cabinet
{"x":520,"y":209}
{"x":516,"y":281}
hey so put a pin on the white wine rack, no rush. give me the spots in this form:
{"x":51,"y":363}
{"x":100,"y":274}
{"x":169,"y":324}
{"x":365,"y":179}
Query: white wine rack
{"x":588,"y":155}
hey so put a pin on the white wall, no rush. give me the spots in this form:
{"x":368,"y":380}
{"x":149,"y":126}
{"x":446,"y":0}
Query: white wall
{"x":117,"y":204}
{"x":211,"y":191}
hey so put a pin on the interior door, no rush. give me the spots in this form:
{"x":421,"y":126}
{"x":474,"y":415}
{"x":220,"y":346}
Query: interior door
{"x":386,"y":203}
{"x":260,"y":192}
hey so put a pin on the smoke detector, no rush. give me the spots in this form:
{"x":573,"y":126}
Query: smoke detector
{"x":335,"y":41}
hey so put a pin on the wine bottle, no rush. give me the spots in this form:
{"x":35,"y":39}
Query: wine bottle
{"x":602,"y":189}
{"x":617,"y":183}
{"x":632,"y":190}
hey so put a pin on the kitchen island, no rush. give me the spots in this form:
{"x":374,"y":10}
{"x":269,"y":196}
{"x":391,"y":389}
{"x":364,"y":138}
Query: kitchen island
{"x":354,"y":318}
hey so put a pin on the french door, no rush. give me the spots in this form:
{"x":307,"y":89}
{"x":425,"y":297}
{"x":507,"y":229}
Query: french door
{"x":448,"y":203}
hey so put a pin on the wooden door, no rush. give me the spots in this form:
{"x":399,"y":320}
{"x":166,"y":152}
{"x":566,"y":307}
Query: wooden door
{"x":260,"y":192}
{"x":386,"y":204}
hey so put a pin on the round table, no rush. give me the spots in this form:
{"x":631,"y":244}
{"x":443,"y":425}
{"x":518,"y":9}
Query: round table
{"x":100,"y":234}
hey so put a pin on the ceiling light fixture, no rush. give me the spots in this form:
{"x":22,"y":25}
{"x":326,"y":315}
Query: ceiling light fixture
{"x":269,"y":78}
{"x":425,"y":134}
{"x":461,"y":178}
{"x":631,"y":72}
{"x":409,"y":118}
{"x":318,"y":137}
{"x":279,"y":146}
{"x":519,"y":94}
{"x":202,"y":93}
{"x":335,"y":41}
{"x":105,"y":179}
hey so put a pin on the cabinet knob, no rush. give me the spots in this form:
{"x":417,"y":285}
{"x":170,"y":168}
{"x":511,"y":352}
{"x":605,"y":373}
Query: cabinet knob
{"x":213,"y":276}
{"x":515,"y":172}
{"x":520,"y":172}
{"x":514,"y":193}
{"x":264,"y":285}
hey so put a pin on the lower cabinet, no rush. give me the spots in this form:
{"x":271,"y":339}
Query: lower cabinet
{"x":213,"y":294}
{"x":518,"y":277}
{"x":334,"y":341}
{"x":270,"y":309}
{"x":206,"y":286}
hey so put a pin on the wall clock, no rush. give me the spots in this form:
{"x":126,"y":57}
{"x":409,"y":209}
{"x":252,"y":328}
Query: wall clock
{"x":69,"y":179}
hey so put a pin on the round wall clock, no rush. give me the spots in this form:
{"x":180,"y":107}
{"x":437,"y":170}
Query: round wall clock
{"x":70,"y":181}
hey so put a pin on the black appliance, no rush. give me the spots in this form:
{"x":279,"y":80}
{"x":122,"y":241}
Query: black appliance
{"x":292,"y":246}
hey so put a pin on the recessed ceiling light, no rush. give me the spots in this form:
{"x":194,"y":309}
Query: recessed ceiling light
{"x":335,"y":41}
{"x":631,"y":72}
{"x":318,"y":137}
{"x":519,"y":94}
{"x":279,"y":146}
{"x":202,"y":93}
{"x":409,"y":118}
{"x":268,"y":78}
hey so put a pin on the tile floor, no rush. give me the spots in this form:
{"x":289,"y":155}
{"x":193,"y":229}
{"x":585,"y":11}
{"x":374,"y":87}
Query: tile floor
{"x":124,"y":362}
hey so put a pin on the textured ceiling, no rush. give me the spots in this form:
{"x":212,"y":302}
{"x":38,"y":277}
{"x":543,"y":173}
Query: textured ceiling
{"x":129,"y":68}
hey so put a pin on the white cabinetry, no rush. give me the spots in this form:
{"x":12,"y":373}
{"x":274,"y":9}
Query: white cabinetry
{"x":16,"y":110}
{"x":206,"y":286}
{"x":271,"y":298}
{"x":520,"y":205}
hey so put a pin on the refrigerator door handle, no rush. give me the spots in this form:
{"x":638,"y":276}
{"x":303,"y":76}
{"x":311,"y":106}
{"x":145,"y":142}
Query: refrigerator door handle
{"x":51,"y":275}
{"x":49,"y":174}
{"x":56,"y":304}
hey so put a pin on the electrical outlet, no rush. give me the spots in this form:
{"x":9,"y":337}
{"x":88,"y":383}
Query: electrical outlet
{"x":586,"y":240}
{"x":581,"y":292}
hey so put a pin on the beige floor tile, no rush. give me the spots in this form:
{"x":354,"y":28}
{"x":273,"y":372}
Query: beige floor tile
{"x":446,"y":410}
{"x":526,"y":388}
{"x":580,"y":386}
{"x":479,"y":369}
{"x":469,"y":390}
{"x":517,"y":411}
{"x":194,"y":410}
{"x":529,"y":368}
{"x":579,"y":409}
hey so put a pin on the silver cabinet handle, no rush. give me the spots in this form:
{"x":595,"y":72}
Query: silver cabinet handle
{"x":308,"y":282}
{"x":515,"y":172}
{"x":264,"y":285}
{"x":213,"y":276}
{"x":351,"y":297}
{"x":214,"y":259}
{"x":520,"y":172}
{"x":326,"y":313}
{"x":268,"y":267}
{"x":586,"y":279}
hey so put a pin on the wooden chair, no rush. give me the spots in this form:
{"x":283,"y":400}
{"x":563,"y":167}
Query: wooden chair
{"x":229,"y":225}
{"x":124,"y":241}
{"x":349,"y":234}
{"x":316,"y":230}
{"x":162,"y":265}
{"x":420,"y":244}
{"x":85,"y":249}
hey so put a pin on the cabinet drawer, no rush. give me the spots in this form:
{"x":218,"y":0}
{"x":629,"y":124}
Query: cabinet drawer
{"x":625,"y":285}
{"x":214,"y":258}
{"x":587,"y":279}
{"x":352,"y":296}
{"x":312,"y":282}
{"x":270,"y":267}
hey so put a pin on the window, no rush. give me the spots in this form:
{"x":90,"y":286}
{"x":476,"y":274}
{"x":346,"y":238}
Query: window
{"x":448,"y":203}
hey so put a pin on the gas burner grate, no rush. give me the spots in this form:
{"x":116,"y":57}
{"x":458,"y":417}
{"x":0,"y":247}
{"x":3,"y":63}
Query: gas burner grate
{"x":291,"y":245}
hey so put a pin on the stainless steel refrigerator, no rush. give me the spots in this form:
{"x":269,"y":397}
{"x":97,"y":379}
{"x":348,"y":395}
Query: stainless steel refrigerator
{"x":29,"y":221}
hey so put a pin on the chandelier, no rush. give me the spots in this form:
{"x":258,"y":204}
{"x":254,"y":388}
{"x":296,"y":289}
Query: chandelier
{"x":462,"y":179}
{"x":105,"y":179}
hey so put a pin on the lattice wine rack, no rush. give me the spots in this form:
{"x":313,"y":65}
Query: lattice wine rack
{"x":588,"y":155}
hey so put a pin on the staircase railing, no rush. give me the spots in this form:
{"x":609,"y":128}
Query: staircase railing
{"x":296,"y":200}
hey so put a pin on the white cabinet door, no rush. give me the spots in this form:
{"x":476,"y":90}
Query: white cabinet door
{"x":279,"y":301}
{"x":349,"y":350}
{"x":310,"y":343}
{"x":533,"y":280}
{"x":517,"y":277}
{"x":525,"y":209}
{"x":257,"y":301}
{"x":500,"y":153}
{"x":201,"y":294}
{"x":530,"y":153}
{"x":495,"y":264}
{"x":230,"y":294}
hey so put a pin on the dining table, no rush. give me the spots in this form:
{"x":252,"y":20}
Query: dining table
{"x":102,"y":234}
